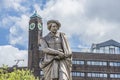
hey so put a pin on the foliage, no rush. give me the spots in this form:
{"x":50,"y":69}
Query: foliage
{"x":16,"y":74}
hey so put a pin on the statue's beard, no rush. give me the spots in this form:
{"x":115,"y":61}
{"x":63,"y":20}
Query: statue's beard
{"x":54,"y":31}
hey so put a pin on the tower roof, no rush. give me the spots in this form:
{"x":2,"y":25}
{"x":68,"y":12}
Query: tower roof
{"x":106,"y":43}
{"x":36,"y":15}
{"x":109,"y":43}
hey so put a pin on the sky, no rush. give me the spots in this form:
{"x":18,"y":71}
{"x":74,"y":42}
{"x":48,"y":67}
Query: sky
{"x":83,"y":21}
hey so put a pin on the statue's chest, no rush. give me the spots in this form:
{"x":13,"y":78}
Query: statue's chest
{"x":54,"y":42}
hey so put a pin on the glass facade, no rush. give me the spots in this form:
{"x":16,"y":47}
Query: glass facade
{"x":96,"y":74}
{"x":114,"y":75}
{"x":79,"y":74}
{"x":78,"y":62}
{"x":99,"y":63}
{"x":107,"y":49}
{"x":96,"y":63}
{"x":114,"y":64}
{"x":101,"y":75}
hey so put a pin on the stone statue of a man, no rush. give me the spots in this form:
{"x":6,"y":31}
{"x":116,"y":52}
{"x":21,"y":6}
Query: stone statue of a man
{"x":57,"y":62}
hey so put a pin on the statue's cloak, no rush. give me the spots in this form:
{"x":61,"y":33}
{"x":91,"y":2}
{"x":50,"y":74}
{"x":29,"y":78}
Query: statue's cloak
{"x":58,"y":69}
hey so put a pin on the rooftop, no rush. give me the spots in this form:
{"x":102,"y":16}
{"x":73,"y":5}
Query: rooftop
{"x":108,"y":43}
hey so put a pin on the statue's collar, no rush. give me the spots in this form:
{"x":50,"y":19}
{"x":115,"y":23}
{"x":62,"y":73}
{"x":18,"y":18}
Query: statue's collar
{"x":54,"y":35}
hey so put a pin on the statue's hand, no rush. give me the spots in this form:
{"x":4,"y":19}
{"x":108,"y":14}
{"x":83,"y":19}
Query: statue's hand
{"x":68,"y":55}
{"x":60,"y":50}
{"x":61,"y":55}
{"x":45,"y":50}
{"x":57,"y":57}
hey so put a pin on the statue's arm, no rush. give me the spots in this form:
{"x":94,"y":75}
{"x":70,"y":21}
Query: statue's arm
{"x":56,"y":53}
{"x":52,"y":51}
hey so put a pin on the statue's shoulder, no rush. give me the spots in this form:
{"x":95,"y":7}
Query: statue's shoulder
{"x":47,"y":36}
{"x":63,"y":35}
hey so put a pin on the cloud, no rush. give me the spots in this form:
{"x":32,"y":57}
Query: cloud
{"x":98,"y":30}
{"x":15,"y":17}
{"x":85,"y":19}
{"x":92,"y":21}
{"x":13,"y":4}
{"x":64,"y":11}
{"x":104,"y":9}
{"x":9,"y":53}
{"x":8,"y":21}
{"x":19,"y":31}
{"x":84,"y":22}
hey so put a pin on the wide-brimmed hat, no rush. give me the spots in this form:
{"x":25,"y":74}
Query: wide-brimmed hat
{"x":53,"y":21}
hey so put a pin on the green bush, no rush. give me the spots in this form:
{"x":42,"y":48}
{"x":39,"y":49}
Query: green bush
{"x":16,"y":74}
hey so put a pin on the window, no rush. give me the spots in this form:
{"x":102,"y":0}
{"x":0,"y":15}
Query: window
{"x":102,"y":50}
{"x":117,"y":50}
{"x":114,"y":75}
{"x":107,"y":49}
{"x":94,"y":51}
{"x":112,"y":49}
{"x":79,"y":74}
{"x":41,"y":72}
{"x":101,"y":75}
{"x":114,"y":63}
{"x":99,"y":63}
{"x":97,"y":50}
{"x":77,"y":62}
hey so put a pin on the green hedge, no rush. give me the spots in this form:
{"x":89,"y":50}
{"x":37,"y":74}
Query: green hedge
{"x":16,"y":74}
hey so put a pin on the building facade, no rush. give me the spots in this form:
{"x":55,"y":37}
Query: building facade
{"x":102,"y":63}
{"x":95,"y":66}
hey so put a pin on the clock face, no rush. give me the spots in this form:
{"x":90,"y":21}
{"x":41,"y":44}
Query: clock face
{"x":32,"y":26}
{"x":39,"y":26}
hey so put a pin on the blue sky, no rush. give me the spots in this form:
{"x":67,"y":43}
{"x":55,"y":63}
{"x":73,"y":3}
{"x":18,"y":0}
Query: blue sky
{"x":84,"y":22}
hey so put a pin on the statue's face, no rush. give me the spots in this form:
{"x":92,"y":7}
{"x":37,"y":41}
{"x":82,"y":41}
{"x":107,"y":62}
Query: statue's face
{"x":54,"y":27}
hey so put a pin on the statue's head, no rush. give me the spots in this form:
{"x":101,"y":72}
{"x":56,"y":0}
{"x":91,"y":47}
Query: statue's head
{"x":53,"y":25}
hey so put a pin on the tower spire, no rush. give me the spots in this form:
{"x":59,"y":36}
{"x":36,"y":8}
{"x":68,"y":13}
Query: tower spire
{"x":36,"y":15}
{"x":35,"y":11}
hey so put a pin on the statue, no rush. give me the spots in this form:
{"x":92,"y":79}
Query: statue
{"x":57,"y":61}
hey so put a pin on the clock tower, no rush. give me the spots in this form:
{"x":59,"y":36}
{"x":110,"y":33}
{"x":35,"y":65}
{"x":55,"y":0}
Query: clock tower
{"x":35,"y":33}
